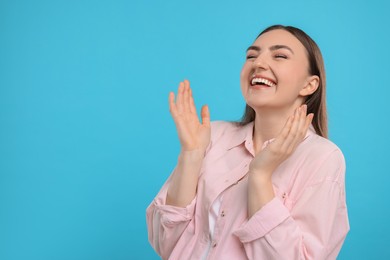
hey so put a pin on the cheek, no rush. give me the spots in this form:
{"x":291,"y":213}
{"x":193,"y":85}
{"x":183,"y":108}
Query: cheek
{"x":244,"y":75}
{"x":244,"y":80}
{"x":294,"y":77}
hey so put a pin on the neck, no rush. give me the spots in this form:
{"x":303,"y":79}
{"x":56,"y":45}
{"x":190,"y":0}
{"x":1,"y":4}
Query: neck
{"x":268,"y":124}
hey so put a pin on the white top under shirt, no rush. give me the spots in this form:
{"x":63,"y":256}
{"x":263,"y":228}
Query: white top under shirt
{"x":213,"y":215}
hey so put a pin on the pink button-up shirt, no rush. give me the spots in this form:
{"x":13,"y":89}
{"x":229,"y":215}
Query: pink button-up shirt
{"x":307,"y":219}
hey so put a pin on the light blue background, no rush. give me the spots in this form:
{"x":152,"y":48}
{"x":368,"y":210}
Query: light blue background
{"x":86,"y":139}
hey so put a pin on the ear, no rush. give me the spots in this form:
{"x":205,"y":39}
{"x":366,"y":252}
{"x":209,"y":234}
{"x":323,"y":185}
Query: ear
{"x":311,"y":86}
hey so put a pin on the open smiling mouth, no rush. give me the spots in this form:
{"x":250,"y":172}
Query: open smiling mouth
{"x":262,"y":82}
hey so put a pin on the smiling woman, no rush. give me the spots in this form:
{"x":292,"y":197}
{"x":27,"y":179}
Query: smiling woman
{"x":269,"y":187}
{"x":316,"y":101}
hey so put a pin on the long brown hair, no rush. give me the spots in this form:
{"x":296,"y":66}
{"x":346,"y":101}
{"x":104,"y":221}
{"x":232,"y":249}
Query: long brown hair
{"x":316,"y":102}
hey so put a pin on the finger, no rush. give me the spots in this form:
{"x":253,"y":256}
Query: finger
{"x":286,"y":129}
{"x":180,"y":98}
{"x":192,"y":103}
{"x":295,"y":123}
{"x":172,"y":105}
{"x":280,"y":139}
{"x":309,"y":119}
{"x":293,"y":131}
{"x":306,"y":121}
{"x":205,"y":113}
{"x":186,"y":96}
{"x":302,"y":122}
{"x":300,"y":130}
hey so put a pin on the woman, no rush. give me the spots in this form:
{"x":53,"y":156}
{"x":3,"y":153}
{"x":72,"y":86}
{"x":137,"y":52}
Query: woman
{"x":269,"y":187}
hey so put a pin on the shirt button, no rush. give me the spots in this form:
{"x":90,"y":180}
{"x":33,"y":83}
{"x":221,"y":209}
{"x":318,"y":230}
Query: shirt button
{"x":214,"y":244}
{"x":222,"y":213}
{"x":284,"y":195}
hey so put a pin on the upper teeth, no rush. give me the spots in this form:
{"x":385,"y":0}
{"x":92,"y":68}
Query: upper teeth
{"x":264,"y":81}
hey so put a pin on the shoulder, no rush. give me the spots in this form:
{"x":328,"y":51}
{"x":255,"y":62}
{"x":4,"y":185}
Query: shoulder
{"x":223,"y":132}
{"x":222,"y":128}
{"x":325,"y":156}
{"x":318,"y":145}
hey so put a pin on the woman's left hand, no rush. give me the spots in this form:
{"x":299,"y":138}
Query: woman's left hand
{"x":283,"y":146}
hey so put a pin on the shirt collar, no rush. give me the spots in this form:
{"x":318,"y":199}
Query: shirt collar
{"x":245,"y":134}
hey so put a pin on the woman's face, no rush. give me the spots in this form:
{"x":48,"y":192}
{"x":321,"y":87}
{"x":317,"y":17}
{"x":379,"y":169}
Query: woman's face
{"x":275,"y":72}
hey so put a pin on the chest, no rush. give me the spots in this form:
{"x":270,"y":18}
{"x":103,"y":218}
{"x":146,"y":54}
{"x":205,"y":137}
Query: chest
{"x":226,"y":173}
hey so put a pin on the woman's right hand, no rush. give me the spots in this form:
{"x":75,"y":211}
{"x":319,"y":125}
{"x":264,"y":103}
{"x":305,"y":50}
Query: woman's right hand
{"x":193,"y":134}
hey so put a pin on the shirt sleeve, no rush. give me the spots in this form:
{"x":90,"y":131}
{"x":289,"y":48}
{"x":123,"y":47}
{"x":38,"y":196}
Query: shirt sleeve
{"x":166,"y":223}
{"x":314,"y":228}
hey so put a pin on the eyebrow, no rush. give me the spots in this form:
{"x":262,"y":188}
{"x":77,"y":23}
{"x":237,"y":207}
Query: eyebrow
{"x":272,"y":48}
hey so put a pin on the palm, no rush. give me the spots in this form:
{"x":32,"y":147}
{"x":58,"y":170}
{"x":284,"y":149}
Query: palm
{"x":193,"y":134}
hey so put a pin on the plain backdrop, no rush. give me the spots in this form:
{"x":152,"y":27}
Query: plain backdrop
{"x":86,"y":139}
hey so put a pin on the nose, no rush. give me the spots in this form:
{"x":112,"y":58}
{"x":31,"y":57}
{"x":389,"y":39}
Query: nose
{"x":260,"y":62}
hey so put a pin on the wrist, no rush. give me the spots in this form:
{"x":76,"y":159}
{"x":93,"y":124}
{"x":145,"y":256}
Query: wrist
{"x":193,"y":156}
{"x":260,"y":176}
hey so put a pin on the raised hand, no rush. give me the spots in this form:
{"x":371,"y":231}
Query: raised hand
{"x":193,"y":134}
{"x":284,"y":144}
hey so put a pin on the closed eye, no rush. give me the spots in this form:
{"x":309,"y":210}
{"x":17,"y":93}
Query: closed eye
{"x":280,"y":56}
{"x":248,"y":57}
